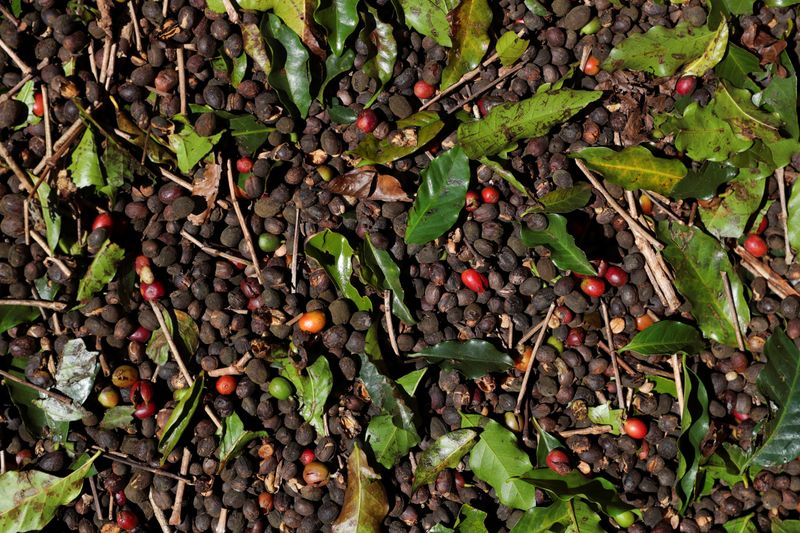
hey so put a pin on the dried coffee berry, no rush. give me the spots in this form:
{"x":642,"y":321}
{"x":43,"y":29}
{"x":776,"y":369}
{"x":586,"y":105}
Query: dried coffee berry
{"x":558,"y":462}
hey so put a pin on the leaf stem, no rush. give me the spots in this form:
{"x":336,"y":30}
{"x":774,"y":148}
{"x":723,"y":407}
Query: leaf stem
{"x":732,"y":309}
{"x":779,"y":176}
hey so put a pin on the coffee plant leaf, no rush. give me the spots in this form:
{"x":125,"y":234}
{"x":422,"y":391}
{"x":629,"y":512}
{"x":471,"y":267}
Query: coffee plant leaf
{"x":14,"y":315}
{"x":255,"y":46}
{"x":429,"y":17}
{"x":741,"y":199}
{"x":102,"y":270}
{"x":411,"y":381}
{"x":712,"y":55}
{"x":334,"y":66}
{"x":365,"y":502}
{"x":50,"y":214}
{"x":563,"y":200}
{"x":748,"y":121}
{"x":311,"y":389}
{"x":470,"y":23}
{"x":189,"y":147}
{"x":507,"y":175}
{"x":289,"y":74}
{"x":543,"y":519}
{"x":744,"y":524}
{"x":536,"y":7}
{"x":234,"y":439}
{"x":335,"y":255}
{"x":384,"y":393}
{"x":440,"y":197}
{"x":702,"y":135}
{"x":603,"y":414}
{"x":180,"y":418}
{"x":339,"y":18}
{"x":779,"y":381}
{"x":471,"y":520}
{"x":118,"y":417}
{"x":445,"y":452}
{"x":780,"y":96}
{"x":545,"y":443}
{"x":29,"y":499}
{"x":188,"y":340}
{"x":412,"y":133}
{"x":508,"y":123}
{"x":76,"y":370}
{"x":239,"y":70}
{"x":704,"y":182}
{"x":498,"y":460}
{"x":697,"y":260}
{"x":390,"y":439}
{"x":379,"y":270}
{"x":564,"y":253}
{"x":738,"y":66}
{"x":295,"y":14}
{"x":785,"y":526}
{"x":634,"y":168}
{"x":793,"y":218}
{"x":473,"y":358}
{"x":596,"y":489}
{"x":666,"y":337}
{"x":248,"y":132}
{"x":382,"y":51}
{"x":84,"y":167}
{"x":510,"y":47}
{"x":694,"y":424}
{"x":660,"y":51}
{"x":34,"y":418}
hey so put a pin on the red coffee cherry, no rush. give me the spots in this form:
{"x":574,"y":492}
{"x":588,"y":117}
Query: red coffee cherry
{"x":593,"y":286}
{"x":103,"y":220}
{"x":635,"y":428}
{"x":244,"y":164}
{"x":152,"y":291}
{"x":307,"y":456}
{"x":423,"y":90}
{"x":472,"y":201}
{"x":226,"y":385}
{"x":490,"y":195}
{"x":38,"y":104}
{"x":474,"y":280}
{"x":685,"y":85}
{"x":756,"y":245}
{"x":615,"y":276}
{"x":558,"y":462}
{"x":367,"y":120}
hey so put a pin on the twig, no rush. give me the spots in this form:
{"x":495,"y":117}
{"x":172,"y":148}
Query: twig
{"x":111,"y":509}
{"x":387,"y":313}
{"x":213,"y":251}
{"x":591,"y":430}
{"x":536,"y":347}
{"x":42,"y":304}
{"x":620,"y":361}
{"x":175,"y":519}
{"x":15,"y":89}
{"x":233,"y":16}
{"x":779,"y":175}
{"x":24,"y":182}
{"x":175,"y":179}
{"x":26,"y":221}
{"x":614,"y":365}
{"x":56,"y":396}
{"x":15,"y":58}
{"x":96,"y":497}
{"x":136,"y":31}
{"x":104,"y":60}
{"x":213,"y":417}
{"x":48,"y":136}
{"x":58,"y":262}
{"x":2,"y":461}
{"x":158,"y":513}
{"x":755,"y":266}
{"x":651,"y":371}
{"x":171,"y":343}
{"x":295,"y":244}
{"x":245,"y":230}
{"x":118,"y":457}
{"x":112,"y":62}
{"x":488,"y":85}
{"x":530,"y":333}
{"x":92,"y":61}
{"x":9,"y":16}
{"x":181,"y":80}
{"x":732,"y":309}
{"x":235,"y":369}
{"x":223,"y":518}
{"x":677,"y":371}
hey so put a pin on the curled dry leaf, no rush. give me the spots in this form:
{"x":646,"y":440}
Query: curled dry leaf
{"x":366,"y":182}
{"x":207,"y":187}
{"x":765,"y":45}
{"x":365,"y":503}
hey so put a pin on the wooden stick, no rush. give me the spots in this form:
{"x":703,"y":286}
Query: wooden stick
{"x":96,"y":497}
{"x":530,"y":333}
{"x":15,"y":89}
{"x":732,"y":309}
{"x":15,"y":58}
{"x":118,"y":457}
{"x":649,"y":370}
{"x":223,"y":516}
{"x":93,"y":61}
{"x":212,"y":416}
{"x":52,"y":394}
{"x":60,"y":264}
{"x":245,"y":230}
{"x":136,"y":31}
{"x":42,"y":304}
{"x":26,"y":221}
{"x":181,"y":80}
{"x":536,"y":347}
{"x":620,"y":361}
{"x":175,"y":519}
{"x":779,"y":176}
{"x":173,"y":348}
{"x":233,"y":16}
{"x":755,"y":266}
{"x":677,"y":370}
{"x":295,"y":244}
{"x":213,"y":251}
{"x":2,"y":462}
{"x":235,"y":369}
{"x":9,"y":16}
{"x":482,"y":89}
{"x":591,"y":430}
{"x":112,"y":62}
{"x":387,"y":313}
{"x":614,"y":365}
{"x":24,"y":182}
{"x":48,"y":136}
{"x":158,"y":513}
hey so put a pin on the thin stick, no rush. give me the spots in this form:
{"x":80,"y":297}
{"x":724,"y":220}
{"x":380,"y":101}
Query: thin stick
{"x":164,"y":7}
{"x":295,"y":244}
{"x":779,"y":175}
{"x":387,"y":313}
{"x":24,"y":182}
{"x":732,"y":309}
{"x":111,"y":508}
{"x":482,"y":89}
{"x":181,"y":80}
{"x":245,"y":230}
{"x":175,"y":519}
{"x":233,"y":16}
{"x":92,"y":61}
{"x":117,"y":457}
{"x":536,"y":346}
{"x":649,"y":370}
{"x":15,"y":89}
{"x":9,"y":16}
{"x":235,"y":369}
{"x":48,"y":136}
{"x":97,"y":508}
{"x":625,"y":366}
{"x":175,"y":179}
{"x":26,"y":222}
{"x":104,"y":60}
{"x":158,"y":513}
{"x":136,"y":32}
{"x":591,"y":430}
{"x":530,"y":333}
{"x":614,"y":365}
{"x":15,"y":58}
{"x":171,"y":343}
{"x":2,"y":461}
{"x":60,"y":264}
{"x":758,"y":268}
{"x":112,"y":62}
{"x":56,"y":396}
{"x":213,"y":251}
{"x":213,"y":417}
{"x":677,"y":371}
{"x":42,"y":304}
{"x":223,"y":520}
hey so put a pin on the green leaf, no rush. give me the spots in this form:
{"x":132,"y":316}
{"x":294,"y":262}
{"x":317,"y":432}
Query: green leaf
{"x":382,"y":52}
{"x":508,"y":123}
{"x":712,"y":55}
{"x":785,"y":526}
{"x":634,"y":168}
{"x":440,"y":197}
{"x":793,"y":217}
{"x":389,"y":440}
{"x":445,"y":452}
{"x":340,"y":19}
{"x":188,"y":337}
{"x":239,"y":70}
{"x":542,"y":519}
{"x":52,"y":219}
{"x":497,"y":459}
{"x":545,"y":443}
{"x":473,"y":358}
{"x":247,"y":131}
{"x":537,"y":8}
{"x":730,"y":216}
{"x":697,"y":260}
{"x":412,"y":134}
{"x":663,"y":385}
{"x":117,"y":164}
{"x":563,"y":200}
{"x":312,"y":390}
{"x":255,"y":46}
{"x":29,"y":499}
{"x":34,"y":419}
{"x":342,"y":115}
{"x":694,"y":424}
{"x":84,"y":167}
{"x":334,"y":254}
{"x":429,"y":17}
{"x":180,"y":418}
{"x":234,"y":439}
{"x":703,"y":136}
{"x":14,"y":315}
{"x":190,"y":147}
{"x":289,"y":74}
{"x":101,"y":271}
{"x":334,"y":66}
{"x":564,"y":253}
{"x":27,"y":95}
{"x":779,"y":381}
{"x":505,"y":174}
{"x":379,"y":270}
{"x":666,"y":337}
{"x":735,"y":106}
{"x":411,"y":381}
{"x":738,"y":66}
{"x":471,"y":520}
{"x":597,"y":490}
{"x":118,"y":417}
{"x":470,"y":23}
{"x":704,"y":182}
{"x":365,"y":502}
{"x":603,"y":414}
{"x":295,"y":14}
{"x":780,"y":96}
{"x":744,"y":524}
{"x":660,"y":51}
{"x":509,"y":48}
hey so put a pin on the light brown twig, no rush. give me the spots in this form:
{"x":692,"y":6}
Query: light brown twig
{"x":591,"y":430}
{"x":158,"y":513}
{"x":95,"y":496}
{"x":56,"y":396}
{"x":42,"y":304}
{"x":237,"y":368}
{"x":677,"y":371}
{"x":536,"y":347}
{"x":245,"y":230}
{"x":175,"y":519}
{"x":121,"y":458}
{"x":15,"y":58}
{"x":173,"y":348}
{"x":614,"y":365}
{"x":732,"y":309}
{"x":387,"y":313}
{"x":48,"y":136}
{"x":24,"y":182}
{"x":295,"y":244}
{"x":181,"y":79}
{"x":780,"y":177}
{"x":528,"y":334}
{"x":212,"y":251}
{"x":755,"y":266}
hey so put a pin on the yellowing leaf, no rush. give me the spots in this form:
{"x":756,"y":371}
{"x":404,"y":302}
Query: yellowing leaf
{"x":712,"y":55}
{"x":470,"y":24}
{"x":365,"y":503}
{"x":634,"y":168}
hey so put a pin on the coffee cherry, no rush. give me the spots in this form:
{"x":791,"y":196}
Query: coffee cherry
{"x":103,"y":220}
{"x":144,"y":389}
{"x":367,"y":120}
{"x":127,"y":520}
{"x":646,"y":204}
{"x":643,"y":322}
{"x":522,"y":362}
{"x":307,"y":456}
{"x":244,"y":164}
{"x":144,"y":410}
{"x":625,"y":519}
{"x":558,"y":462}
{"x":226,"y":385}
{"x":490,"y":195}
{"x":423,"y":90}
{"x":593,"y":286}
{"x":23,"y":457}
{"x":740,"y":417}
{"x":592,"y":66}
{"x":265,"y":501}
{"x":762,"y":225}
{"x":756,"y":245}
{"x":141,"y":262}
{"x":140,"y":334}
{"x":312,"y":322}
{"x":555,"y":343}
{"x":315,"y":474}
{"x":685,"y":85}
{"x":125,"y":376}
{"x":474,"y":280}
{"x":635,"y":428}
{"x":472,"y":201}
{"x":152,"y":291}
{"x":268,"y":242}
{"x":120,"y":498}
{"x":564,"y":313}
{"x":280,"y":388}
{"x":108,"y":397}
{"x":575,"y":337}
{"x":482,"y":107}
{"x":615,"y":276}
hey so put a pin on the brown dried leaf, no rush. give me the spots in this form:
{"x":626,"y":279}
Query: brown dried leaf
{"x":366,"y":182}
{"x":208,"y":187}
{"x":765,"y":45}
{"x":388,"y":189}
{"x":365,"y":503}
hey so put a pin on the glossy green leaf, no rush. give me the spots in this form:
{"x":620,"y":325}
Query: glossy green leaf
{"x":445,"y":452}
{"x":429,"y":17}
{"x":180,"y":418}
{"x":14,"y":315}
{"x":660,"y":51}
{"x":335,"y":255}
{"x":188,"y":339}
{"x":340,"y":19}
{"x":634,"y":168}
{"x":473,"y":358}
{"x":248,"y":132}
{"x":694,"y":424}
{"x":703,"y":136}
{"x":412,"y":380}
{"x":549,"y":519}
{"x":563,"y":200}
{"x":289,"y":74}
{"x":780,"y":96}
{"x":785,"y":526}
{"x":389,"y":440}
{"x":595,"y":489}
{"x":545,"y":443}
{"x":507,"y":175}
{"x":342,"y":115}
{"x":29,"y":500}
{"x":34,"y":419}
{"x":470,"y":23}
{"x":382,"y":51}
{"x":118,"y":417}
{"x":663,"y":385}
{"x":704,"y":182}
{"x":712,"y":55}
{"x":666,"y":337}
{"x":189,"y":147}
{"x":118,"y":166}
{"x":440,"y":197}
{"x":508,"y":123}
{"x":335,"y":66}
{"x":779,"y":381}
{"x":737,"y":68}
{"x":239,"y":70}
{"x":412,"y":134}
{"x":295,"y":14}
{"x":379,"y":270}
{"x":510,"y":47}
{"x":234,"y":439}
{"x":471,"y":520}
{"x":564,"y":253}
{"x":741,"y":199}
{"x":743,"y":524}
{"x":365,"y":502}
{"x":101,"y":271}
{"x":312,"y":389}
{"x":793,"y":217}
{"x":255,"y":46}
{"x":84,"y":167}
{"x":697,"y":260}
{"x":497,"y":459}
{"x":52,"y":219}
{"x":734,"y":106}
{"x":603,"y":415}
